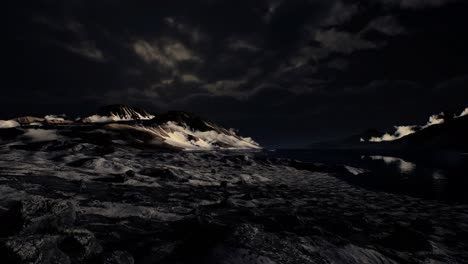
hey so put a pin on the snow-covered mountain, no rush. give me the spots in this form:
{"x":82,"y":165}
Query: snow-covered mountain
{"x":182,"y":130}
{"x":441,"y":131}
{"x":126,"y":125}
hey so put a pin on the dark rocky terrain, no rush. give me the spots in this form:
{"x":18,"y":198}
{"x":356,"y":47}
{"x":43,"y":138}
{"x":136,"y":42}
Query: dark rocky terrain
{"x":87,"y":204}
{"x":126,"y":192}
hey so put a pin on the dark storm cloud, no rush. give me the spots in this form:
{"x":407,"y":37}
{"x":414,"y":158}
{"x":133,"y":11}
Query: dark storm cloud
{"x":341,"y":12}
{"x":208,"y":43}
{"x":266,"y":62}
{"x":342,"y":42}
{"x":387,"y":25}
{"x":81,"y":44}
{"x":417,"y":3}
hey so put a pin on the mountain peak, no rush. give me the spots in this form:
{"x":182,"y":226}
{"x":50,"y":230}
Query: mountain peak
{"x":124,"y":112}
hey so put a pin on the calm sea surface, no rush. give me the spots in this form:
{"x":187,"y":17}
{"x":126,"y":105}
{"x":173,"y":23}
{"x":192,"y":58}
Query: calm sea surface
{"x":441,"y":176}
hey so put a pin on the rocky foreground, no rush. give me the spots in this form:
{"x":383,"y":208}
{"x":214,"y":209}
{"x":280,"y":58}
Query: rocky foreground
{"x":84,"y":203}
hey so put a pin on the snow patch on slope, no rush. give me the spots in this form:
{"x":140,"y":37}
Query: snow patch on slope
{"x":464,"y":113}
{"x":187,"y":139}
{"x":54,"y":118}
{"x":98,"y":119}
{"x":115,"y":113}
{"x":400,"y":132}
{"x":114,"y":118}
{"x":205,"y":139}
{"x":435,"y":120}
{"x":8,"y":123}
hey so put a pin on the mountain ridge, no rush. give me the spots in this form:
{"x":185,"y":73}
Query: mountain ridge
{"x":448,"y":133}
{"x":126,"y":125}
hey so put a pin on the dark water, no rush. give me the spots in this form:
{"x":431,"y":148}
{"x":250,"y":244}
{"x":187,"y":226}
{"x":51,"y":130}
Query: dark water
{"x":441,"y":176}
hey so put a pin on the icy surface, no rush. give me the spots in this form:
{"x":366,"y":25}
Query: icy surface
{"x":69,"y":202}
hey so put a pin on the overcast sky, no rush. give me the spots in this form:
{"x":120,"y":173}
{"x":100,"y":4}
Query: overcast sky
{"x":285,"y":72}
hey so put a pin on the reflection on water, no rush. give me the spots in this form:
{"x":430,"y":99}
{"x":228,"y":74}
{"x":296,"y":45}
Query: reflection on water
{"x":428,"y":175}
{"x":404,"y":166}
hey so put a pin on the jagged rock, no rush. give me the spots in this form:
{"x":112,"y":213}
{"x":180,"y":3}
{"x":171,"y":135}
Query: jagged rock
{"x":58,"y":121}
{"x":11,"y":220}
{"x":80,"y":162}
{"x":406,"y":239}
{"x":422,"y":225}
{"x":32,"y":146}
{"x":47,"y":216}
{"x":80,"y":244}
{"x":10,"y":133}
{"x":162,"y":173}
{"x":24,"y":120}
{"x":185,"y":118}
{"x":36,"y":250}
{"x":119,"y":257}
{"x":124,"y":112}
{"x":112,"y":179}
{"x":130,"y":173}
